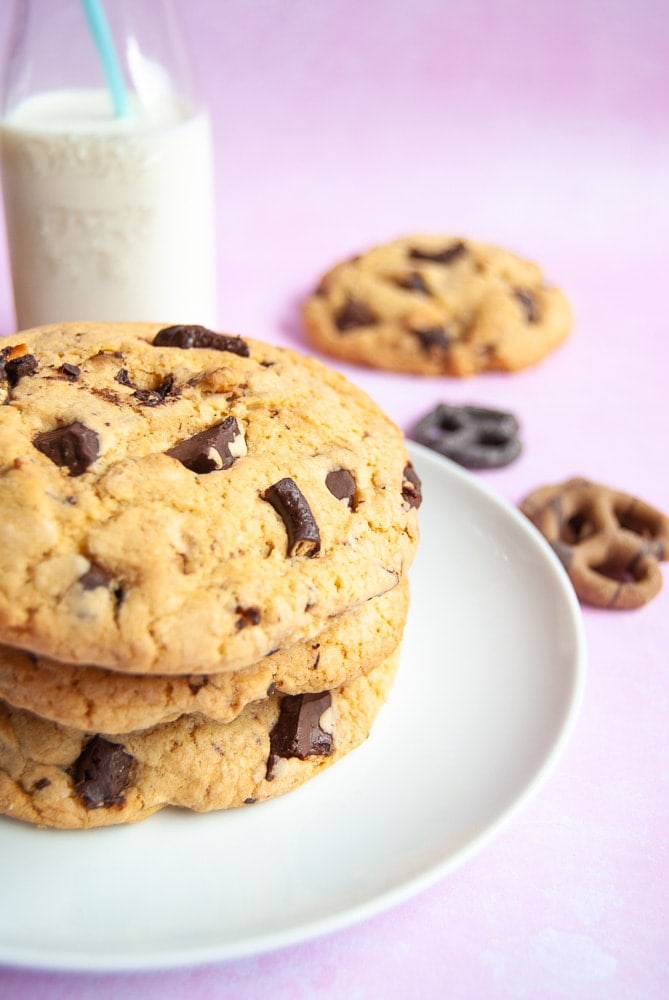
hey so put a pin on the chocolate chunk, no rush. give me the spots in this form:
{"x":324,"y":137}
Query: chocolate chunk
{"x":475,"y":437}
{"x":411,"y":486}
{"x":341,"y":484}
{"x":445,"y":256}
{"x":354,"y":314}
{"x":197,"y":682}
{"x":15,"y":362}
{"x":123,"y":378}
{"x":149,"y":397}
{"x":187,"y":337}
{"x":71,"y":372}
{"x":101,"y":773}
{"x":212,"y":449}
{"x":74,"y":446}
{"x":154,"y":397}
{"x":40,"y":784}
{"x":167,"y":387}
{"x":413,"y":282}
{"x":18,"y":368}
{"x":95,"y":576}
{"x":432,"y":336}
{"x":247,"y":616}
{"x":529,"y":304}
{"x":303,"y":535}
{"x":298,"y":732}
{"x":10,"y":371}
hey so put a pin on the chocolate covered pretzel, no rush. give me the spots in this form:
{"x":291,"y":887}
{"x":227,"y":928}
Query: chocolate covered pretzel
{"x":476,"y":437}
{"x":610,"y":542}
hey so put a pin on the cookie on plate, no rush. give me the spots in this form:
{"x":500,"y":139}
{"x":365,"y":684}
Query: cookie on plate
{"x":437,"y":305}
{"x":180,"y":500}
{"x":93,"y":699}
{"x":56,"y":776}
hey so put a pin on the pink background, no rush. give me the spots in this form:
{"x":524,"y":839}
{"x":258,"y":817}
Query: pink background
{"x":543,"y":127}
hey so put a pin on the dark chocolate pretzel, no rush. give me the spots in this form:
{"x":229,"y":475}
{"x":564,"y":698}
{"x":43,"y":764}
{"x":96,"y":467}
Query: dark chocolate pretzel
{"x":473,"y":436}
{"x":610,"y":542}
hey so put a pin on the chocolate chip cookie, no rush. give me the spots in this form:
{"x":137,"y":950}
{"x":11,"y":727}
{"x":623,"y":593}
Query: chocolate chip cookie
{"x":55,"y":776}
{"x":437,"y":305}
{"x":178,"y":500}
{"x":96,"y":700}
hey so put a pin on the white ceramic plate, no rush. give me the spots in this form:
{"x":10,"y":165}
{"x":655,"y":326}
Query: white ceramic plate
{"x":488,"y":688}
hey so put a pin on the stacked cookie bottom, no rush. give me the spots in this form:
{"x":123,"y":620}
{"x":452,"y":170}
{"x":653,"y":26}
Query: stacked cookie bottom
{"x":204,"y":552}
{"x":86,"y":747}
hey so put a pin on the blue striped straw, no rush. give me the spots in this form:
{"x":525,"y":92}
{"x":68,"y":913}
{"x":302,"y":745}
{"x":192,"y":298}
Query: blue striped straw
{"x":99,"y":26}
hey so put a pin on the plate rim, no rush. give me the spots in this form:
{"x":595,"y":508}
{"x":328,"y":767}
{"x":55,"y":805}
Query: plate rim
{"x":94,"y":960}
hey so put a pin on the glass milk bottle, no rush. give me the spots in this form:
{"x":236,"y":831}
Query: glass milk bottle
{"x":107,"y":171}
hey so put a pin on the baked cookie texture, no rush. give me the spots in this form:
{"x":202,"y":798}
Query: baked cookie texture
{"x":203,"y":570}
{"x":97,"y":700}
{"x":437,"y":305}
{"x":168,"y":505}
{"x":55,"y":776}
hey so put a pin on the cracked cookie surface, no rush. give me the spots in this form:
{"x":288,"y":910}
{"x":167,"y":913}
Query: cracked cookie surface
{"x":146,"y":519}
{"x":437,"y":305}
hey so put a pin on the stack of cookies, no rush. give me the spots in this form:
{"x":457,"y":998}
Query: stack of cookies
{"x":204,"y":549}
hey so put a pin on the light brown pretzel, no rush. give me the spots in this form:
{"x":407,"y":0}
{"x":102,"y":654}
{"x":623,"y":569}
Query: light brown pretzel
{"x":610,"y":542}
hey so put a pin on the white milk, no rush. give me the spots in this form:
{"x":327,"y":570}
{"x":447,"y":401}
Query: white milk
{"x":108,"y":218}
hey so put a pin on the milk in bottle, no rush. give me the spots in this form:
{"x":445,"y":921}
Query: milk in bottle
{"x":109,"y":216}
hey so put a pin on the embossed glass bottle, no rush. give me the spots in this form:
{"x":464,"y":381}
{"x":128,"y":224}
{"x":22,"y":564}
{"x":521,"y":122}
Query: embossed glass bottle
{"x":109,"y":208}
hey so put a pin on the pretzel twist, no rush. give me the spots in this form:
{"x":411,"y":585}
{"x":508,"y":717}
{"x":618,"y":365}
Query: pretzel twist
{"x":610,"y":542}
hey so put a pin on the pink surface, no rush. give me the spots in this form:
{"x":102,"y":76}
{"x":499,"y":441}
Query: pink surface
{"x":543,"y":127}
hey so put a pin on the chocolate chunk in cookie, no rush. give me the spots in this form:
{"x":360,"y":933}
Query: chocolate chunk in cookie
{"x":71,"y":372}
{"x":303,"y":535}
{"x":298,"y":732}
{"x":74,"y":447}
{"x":187,"y":337}
{"x":101,"y":773}
{"x":411,"y":487}
{"x":341,"y":484}
{"x":18,"y":368}
{"x":444,"y":256}
{"x":95,"y":576}
{"x":213,"y":449}
{"x":15,"y":363}
{"x":354,"y":314}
